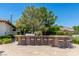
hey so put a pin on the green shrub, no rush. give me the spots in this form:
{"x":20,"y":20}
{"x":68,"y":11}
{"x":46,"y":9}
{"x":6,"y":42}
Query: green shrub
{"x":7,"y":40}
{"x":75,"y":40}
{"x":1,"y":41}
{"x":61,"y":33}
{"x":7,"y":36}
{"x":38,"y":33}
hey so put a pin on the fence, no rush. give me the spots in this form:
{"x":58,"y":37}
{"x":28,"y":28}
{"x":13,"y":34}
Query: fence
{"x":54,"y":41}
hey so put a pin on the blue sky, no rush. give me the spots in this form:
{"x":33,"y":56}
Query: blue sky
{"x":68,"y":14}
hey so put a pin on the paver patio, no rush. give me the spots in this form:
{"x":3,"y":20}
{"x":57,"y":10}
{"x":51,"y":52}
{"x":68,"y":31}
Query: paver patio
{"x":18,"y":50}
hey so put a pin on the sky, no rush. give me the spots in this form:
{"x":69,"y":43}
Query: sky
{"x":67,"y":13}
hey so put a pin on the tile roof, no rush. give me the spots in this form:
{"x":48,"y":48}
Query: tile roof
{"x":7,"y":22}
{"x":67,"y":28}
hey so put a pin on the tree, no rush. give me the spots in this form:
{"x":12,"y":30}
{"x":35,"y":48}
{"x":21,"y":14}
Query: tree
{"x":28,"y":21}
{"x":47,"y":19}
{"x":36,"y":19}
{"x":76,"y":28}
{"x":53,"y":30}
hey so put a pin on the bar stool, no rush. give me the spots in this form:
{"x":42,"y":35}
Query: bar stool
{"x":23,"y":42}
{"x":32,"y":42}
{"x":68,"y":44}
{"x":61,"y":44}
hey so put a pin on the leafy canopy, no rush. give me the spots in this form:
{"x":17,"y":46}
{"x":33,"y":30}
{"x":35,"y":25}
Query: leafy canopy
{"x":36,"y":19}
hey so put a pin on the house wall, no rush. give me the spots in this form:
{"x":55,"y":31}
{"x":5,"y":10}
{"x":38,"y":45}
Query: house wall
{"x":9,"y":29}
{"x":5,"y":29}
{"x":2,"y":29}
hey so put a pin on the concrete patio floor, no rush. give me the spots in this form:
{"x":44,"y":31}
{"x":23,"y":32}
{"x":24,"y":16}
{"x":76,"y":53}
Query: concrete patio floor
{"x":13,"y":49}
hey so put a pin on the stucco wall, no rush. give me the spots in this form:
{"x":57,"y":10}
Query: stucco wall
{"x":5,"y":29}
{"x":9,"y":29}
{"x":2,"y":29}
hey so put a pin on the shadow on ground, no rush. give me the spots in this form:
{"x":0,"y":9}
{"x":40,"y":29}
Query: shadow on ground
{"x":1,"y":52}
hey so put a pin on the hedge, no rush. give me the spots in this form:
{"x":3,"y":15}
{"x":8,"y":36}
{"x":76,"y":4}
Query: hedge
{"x":6,"y":39}
{"x":7,"y":36}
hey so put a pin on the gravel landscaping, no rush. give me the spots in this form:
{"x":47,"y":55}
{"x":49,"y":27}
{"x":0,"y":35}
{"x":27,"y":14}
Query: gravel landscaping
{"x":13,"y":49}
